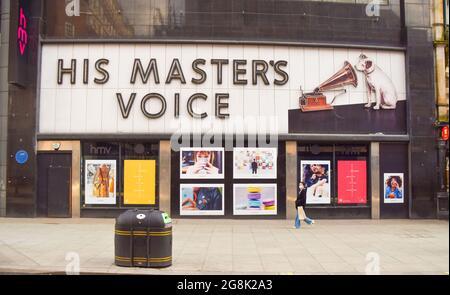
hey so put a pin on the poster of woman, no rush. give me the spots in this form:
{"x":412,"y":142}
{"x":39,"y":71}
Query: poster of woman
{"x":201,"y":163}
{"x":393,"y":188}
{"x":100,"y":187}
{"x":201,"y":199}
{"x":316,"y":176}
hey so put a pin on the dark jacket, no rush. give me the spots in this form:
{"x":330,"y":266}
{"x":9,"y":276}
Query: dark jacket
{"x":212,"y":199}
{"x":301,"y":198}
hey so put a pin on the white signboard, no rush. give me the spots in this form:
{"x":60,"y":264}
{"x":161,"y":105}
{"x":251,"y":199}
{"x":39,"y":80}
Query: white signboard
{"x":167,"y":88}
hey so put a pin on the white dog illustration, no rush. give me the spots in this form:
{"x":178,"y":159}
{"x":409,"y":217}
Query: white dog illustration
{"x":378,"y":82}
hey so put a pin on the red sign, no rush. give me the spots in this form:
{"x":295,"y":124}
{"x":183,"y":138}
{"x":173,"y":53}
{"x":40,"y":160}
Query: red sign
{"x":444,"y":133}
{"x":22,"y":35}
{"x":352,"y":182}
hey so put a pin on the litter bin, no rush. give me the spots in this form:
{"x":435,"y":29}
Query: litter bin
{"x":143,"y":238}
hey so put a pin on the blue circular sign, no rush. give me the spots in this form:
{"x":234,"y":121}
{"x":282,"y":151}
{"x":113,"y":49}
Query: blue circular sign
{"x":21,"y":156}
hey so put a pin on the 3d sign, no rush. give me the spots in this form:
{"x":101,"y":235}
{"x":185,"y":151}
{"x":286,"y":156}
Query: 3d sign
{"x":22,"y":35}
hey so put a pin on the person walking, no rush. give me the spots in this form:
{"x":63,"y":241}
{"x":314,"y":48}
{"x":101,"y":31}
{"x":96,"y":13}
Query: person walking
{"x":300,"y":203}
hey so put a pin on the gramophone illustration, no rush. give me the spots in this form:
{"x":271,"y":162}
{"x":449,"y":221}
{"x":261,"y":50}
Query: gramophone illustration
{"x":317,"y":101}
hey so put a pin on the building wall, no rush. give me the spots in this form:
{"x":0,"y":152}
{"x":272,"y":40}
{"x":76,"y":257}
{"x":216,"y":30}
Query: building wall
{"x":404,"y":25}
{"x":4,"y":44}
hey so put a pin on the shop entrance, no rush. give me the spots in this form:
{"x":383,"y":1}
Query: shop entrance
{"x":54,"y":183}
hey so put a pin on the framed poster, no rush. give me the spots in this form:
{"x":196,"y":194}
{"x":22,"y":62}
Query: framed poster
{"x":201,"y":199}
{"x":255,"y":199}
{"x":393,"y":188}
{"x":352,"y":181}
{"x":100,"y":182}
{"x":201,"y":163}
{"x":139,"y":182}
{"x":255,"y":163}
{"x":317,"y":176}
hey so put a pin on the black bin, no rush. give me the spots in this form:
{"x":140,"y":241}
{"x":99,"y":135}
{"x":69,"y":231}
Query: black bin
{"x":143,"y":238}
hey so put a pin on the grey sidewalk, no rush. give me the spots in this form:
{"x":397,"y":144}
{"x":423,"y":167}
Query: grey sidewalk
{"x":236,"y":246}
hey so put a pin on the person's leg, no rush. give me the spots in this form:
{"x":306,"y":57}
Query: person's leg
{"x":299,"y":216}
{"x":309,"y":220}
{"x":297,"y":221}
{"x":303,"y":216}
{"x":319,"y":191}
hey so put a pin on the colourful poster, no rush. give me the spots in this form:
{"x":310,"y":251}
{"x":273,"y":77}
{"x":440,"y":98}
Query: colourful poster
{"x":139,"y":182}
{"x":255,"y":199}
{"x":352,"y":181}
{"x":100,"y":182}
{"x":255,"y":163}
{"x":393,"y":188}
{"x":316,"y":175}
{"x":201,"y":163}
{"x":201,"y":199}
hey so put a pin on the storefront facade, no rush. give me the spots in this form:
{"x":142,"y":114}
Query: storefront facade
{"x":225,"y":124}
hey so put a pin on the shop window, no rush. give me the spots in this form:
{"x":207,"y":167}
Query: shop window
{"x":242,"y":182}
{"x":335,"y":175}
{"x":119,"y":175}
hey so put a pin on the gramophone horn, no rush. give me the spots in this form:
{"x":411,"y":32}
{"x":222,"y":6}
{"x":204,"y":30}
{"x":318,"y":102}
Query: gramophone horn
{"x":345,"y":76}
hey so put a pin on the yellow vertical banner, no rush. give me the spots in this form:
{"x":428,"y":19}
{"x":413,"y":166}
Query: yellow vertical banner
{"x":139,"y":182}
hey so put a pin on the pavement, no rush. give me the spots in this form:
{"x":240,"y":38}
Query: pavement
{"x":52,"y":246}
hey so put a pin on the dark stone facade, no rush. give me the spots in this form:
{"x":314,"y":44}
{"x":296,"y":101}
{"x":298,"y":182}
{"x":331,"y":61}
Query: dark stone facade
{"x":401,"y":24}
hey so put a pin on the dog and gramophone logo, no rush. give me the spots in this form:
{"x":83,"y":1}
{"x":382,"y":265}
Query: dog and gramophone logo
{"x":380,"y":87}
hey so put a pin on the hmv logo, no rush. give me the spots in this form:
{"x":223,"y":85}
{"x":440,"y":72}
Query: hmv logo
{"x":73,"y":7}
{"x":101,"y":150}
{"x":22,"y":35}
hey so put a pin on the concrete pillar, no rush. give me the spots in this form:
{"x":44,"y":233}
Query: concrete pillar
{"x":291,"y":178}
{"x":375,"y":178}
{"x":164,"y":175}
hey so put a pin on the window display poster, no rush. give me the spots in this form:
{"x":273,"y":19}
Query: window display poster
{"x":201,"y":199}
{"x":139,"y":182}
{"x":255,"y":163}
{"x":201,"y":163}
{"x":255,"y":199}
{"x":100,"y":187}
{"x":317,"y":176}
{"x":393,"y":188}
{"x":352,"y":181}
